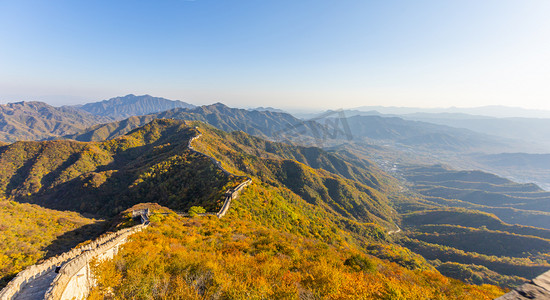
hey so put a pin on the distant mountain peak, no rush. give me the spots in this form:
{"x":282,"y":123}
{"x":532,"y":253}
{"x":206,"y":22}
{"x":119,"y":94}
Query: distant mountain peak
{"x":269,"y":108}
{"x":218,"y":104}
{"x":132,"y":105}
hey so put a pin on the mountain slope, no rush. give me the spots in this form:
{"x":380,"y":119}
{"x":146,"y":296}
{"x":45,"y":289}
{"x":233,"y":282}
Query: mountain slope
{"x":259,"y":123}
{"x":235,"y":258}
{"x":350,"y":191}
{"x":151,"y":163}
{"x":38,"y":120}
{"x":111,"y":130}
{"x":131,"y":105}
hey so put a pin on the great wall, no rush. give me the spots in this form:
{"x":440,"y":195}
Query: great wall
{"x":68,"y":276}
{"x":229,"y":195}
{"x":48,"y":281}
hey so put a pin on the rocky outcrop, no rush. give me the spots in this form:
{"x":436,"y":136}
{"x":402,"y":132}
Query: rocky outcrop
{"x":538,"y":289}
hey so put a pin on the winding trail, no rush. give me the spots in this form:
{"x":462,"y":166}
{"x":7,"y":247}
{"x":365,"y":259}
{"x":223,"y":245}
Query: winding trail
{"x":229,"y":195}
{"x":394,"y":231}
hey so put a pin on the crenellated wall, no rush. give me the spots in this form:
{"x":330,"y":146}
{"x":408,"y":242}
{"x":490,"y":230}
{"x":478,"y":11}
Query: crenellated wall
{"x":232,"y":195}
{"x":74,"y":279}
{"x":36,"y":272}
{"x":41,"y":282}
{"x":229,"y":195}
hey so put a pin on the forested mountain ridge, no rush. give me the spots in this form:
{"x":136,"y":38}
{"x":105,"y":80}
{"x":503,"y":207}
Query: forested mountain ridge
{"x":259,"y":123}
{"x":131,"y":105}
{"x":149,"y":163}
{"x":107,"y":131}
{"x":334,"y":197}
{"x":38,"y":120}
{"x":318,"y":177}
{"x":283,"y":126}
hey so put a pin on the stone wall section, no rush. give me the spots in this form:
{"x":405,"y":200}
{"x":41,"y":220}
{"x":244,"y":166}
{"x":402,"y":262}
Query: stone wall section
{"x":229,"y":195}
{"x":74,"y":279}
{"x":71,"y":262}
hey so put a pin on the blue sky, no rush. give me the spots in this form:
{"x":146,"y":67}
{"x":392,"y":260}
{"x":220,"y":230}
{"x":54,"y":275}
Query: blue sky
{"x":323,"y":54}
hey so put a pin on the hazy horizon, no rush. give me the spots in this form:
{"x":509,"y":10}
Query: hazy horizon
{"x":287,"y":54}
{"x":486,"y":110}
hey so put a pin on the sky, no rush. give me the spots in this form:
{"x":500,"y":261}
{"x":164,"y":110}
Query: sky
{"x":284,"y":53}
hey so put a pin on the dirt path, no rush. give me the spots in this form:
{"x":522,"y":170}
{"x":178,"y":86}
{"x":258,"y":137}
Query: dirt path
{"x":394,"y":231}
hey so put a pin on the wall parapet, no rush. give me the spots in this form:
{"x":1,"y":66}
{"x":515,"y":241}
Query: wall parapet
{"x":69,"y":260}
{"x":231,"y":194}
{"x":70,"y":269}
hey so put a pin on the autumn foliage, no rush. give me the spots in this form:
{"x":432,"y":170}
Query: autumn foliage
{"x":210,"y":258}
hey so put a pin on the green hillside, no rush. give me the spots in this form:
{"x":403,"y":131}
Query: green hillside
{"x":259,"y":123}
{"x":273,"y":163}
{"x":525,"y":204}
{"x":471,"y":218}
{"x":107,"y":131}
{"x":477,"y":240}
{"x":150,"y":164}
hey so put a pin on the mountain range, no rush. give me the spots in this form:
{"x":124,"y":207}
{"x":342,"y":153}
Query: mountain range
{"x":495,"y":111}
{"x":367,"y":189}
{"x":432,"y":137}
{"x":337,"y":196}
{"x":38,"y":120}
